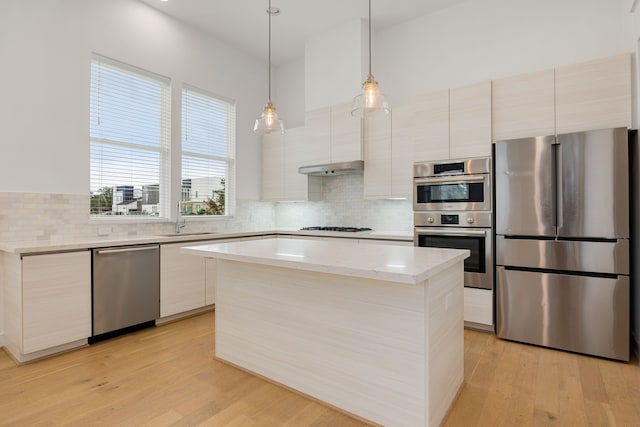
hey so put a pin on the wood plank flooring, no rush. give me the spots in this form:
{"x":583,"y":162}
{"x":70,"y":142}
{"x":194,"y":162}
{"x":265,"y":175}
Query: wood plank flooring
{"x":166,"y":376}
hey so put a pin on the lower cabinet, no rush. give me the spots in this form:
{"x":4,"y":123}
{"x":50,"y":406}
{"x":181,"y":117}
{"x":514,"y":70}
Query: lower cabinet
{"x":187,"y":282}
{"x":47,"y":303}
{"x":478,"y":307}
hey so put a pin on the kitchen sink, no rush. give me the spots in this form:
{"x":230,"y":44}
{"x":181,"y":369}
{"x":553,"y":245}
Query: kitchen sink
{"x":196,"y":233}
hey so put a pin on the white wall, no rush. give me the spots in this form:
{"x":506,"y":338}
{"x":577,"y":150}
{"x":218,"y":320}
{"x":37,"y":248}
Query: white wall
{"x":334,"y":66}
{"x":45,"y":51}
{"x":488,"y":39}
{"x":290,"y":87}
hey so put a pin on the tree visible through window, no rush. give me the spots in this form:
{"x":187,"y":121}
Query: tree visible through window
{"x":129,"y":140}
{"x":208,"y":153}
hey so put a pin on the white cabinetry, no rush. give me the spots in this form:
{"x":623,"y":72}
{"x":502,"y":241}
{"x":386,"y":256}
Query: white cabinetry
{"x":282,"y":155}
{"x":594,"y":95}
{"x":388,"y":154}
{"x":335,"y":134}
{"x":478,"y":306}
{"x":47,"y":303}
{"x":470,"y":121}
{"x":574,"y":98}
{"x":346,"y":134}
{"x":451,"y":123}
{"x":182,"y":279}
{"x":186,"y":281}
{"x":273,"y":167}
{"x":377,"y":157}
{"x":523,"y":105}
{"x":429,"y":126}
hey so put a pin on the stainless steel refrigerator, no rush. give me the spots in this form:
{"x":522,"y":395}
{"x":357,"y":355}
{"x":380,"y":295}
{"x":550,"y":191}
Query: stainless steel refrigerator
{"x":562,"y":241}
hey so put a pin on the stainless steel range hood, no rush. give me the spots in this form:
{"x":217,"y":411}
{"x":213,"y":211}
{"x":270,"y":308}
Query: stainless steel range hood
{"x":332,"y":169}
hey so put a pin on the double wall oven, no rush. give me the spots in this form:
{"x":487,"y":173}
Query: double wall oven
{"x":452,"y":206}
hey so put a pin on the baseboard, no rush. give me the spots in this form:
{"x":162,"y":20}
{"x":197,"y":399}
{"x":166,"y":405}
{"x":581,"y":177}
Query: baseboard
{"x":184,"y":315}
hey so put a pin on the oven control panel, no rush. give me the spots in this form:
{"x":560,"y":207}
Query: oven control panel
{"x":448,"y":219}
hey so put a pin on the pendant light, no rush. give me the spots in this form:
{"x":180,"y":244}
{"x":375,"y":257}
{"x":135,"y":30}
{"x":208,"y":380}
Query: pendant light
{"x":371,"y":101}
{"x":268,"y":121}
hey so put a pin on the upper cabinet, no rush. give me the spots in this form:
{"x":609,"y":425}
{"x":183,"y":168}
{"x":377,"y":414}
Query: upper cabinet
{"x":377,"y":157}
{"x":452,"y":123}
{"x":523,"y":106}
{"x":273,"y":167}
{"x":346,"y":134}
{"x":426,"y":123}
{"x":282,"y":155}
{"x":574,"y":98}
{"x":594,"y":95}
{"x":335,"y":134}
{"x":470,"y":121}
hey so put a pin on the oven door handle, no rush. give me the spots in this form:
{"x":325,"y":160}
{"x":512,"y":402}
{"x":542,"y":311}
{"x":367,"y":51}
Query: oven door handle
{"x":452,"y":232}
{"x":454,"y":179}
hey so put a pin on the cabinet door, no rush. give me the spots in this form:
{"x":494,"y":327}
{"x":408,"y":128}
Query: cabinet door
{"x":56,"y":299}
{"x":523,"y":106}
{"x":430,"y":126}
{"x":346,"y":134}
{"x":377,"y":157}
{"x":594,"y":95}
{"x":478,"y":306}
{"x":210,"y":282}
{"x":470,"y":121}
{"x":182,"y":279}
{"x":272,"y":167}
{"x":318,"y":124}
{"x":403,"y":137}
{"x":210,"y":269}
{"x":296,"y":153}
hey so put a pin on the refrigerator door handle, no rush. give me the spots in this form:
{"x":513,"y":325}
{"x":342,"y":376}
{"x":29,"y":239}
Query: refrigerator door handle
{"x":559,"y":187}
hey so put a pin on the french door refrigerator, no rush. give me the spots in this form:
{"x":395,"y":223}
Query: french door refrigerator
{"x":562,"y":241}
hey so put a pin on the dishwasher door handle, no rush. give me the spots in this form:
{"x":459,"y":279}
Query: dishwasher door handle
{"x":119,"y":250}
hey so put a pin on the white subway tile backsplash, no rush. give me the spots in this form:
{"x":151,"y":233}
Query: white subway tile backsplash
{"x":63,"y":217}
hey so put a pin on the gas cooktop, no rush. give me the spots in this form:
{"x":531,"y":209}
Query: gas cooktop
{"x":348,"y":229}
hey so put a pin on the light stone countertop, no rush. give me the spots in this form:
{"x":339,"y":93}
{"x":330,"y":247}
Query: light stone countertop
{"x":45,"y":246}
{"x":402,"y":264}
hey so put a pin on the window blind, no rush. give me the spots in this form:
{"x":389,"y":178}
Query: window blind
{"x":208,"y":153}
{"x":129,"y":140}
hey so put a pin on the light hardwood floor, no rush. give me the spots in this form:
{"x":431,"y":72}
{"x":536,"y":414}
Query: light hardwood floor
{"x":166,"y":376}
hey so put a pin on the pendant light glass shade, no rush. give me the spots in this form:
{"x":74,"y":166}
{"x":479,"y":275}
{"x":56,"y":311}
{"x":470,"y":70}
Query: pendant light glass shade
{"x":371,"y":101}
{"x":268,"y":121}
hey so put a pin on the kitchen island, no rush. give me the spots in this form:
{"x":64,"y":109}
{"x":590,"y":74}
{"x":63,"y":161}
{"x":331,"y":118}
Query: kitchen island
{"x":375,"y":330}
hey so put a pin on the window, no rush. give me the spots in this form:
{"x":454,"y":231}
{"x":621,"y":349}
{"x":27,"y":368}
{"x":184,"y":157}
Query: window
{"x":208,"y":153}
{"x":130,"y":141}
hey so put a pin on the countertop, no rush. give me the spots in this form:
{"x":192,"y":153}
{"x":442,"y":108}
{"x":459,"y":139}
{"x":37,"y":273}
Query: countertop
{"x":44,"y":246}
{"x":402,"y":264}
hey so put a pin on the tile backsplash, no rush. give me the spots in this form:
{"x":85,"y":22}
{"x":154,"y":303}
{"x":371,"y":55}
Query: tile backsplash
{"x":343,"y":205}
{"x":64,"y":217}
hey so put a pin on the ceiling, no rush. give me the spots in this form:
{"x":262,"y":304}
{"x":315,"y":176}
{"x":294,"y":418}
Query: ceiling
{"x":244,"y":23}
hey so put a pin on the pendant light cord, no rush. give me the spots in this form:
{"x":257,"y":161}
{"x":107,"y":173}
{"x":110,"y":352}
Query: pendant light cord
{"x":269,"y":73}
{"x":369,"y":37}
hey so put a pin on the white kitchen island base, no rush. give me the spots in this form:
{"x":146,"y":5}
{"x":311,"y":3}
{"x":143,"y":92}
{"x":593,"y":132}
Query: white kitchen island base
{"x":386,"y":351}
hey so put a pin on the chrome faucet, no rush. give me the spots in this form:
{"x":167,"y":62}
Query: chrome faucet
{"x":179,"y":224}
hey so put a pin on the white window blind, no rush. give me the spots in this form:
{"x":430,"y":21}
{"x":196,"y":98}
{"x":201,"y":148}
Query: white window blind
{"x":208,"y":153}
{"x":130,"y":141}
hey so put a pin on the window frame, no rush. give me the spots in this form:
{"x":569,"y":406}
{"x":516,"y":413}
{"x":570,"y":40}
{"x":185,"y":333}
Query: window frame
{"x":163,"y":149}
{"x":230,"y":150}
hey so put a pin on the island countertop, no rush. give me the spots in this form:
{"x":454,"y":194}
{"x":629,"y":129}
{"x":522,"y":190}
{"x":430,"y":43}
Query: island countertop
{"x":402,"y":264}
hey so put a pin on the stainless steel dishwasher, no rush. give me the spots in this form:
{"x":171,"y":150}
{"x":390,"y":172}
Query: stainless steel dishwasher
{"x":126,"y":288}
